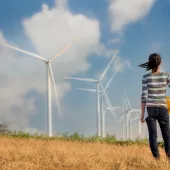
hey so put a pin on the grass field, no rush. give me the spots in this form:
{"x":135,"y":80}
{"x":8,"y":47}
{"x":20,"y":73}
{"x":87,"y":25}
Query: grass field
{"x":27,"y":153}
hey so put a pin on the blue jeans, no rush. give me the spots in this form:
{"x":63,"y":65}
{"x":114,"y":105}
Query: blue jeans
{"x":159,"y":114}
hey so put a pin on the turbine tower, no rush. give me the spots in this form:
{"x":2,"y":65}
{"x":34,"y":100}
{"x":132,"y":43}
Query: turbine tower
{"x":123,"y":119}
{"x":104,"y":108}
{"x":98,"y":85}
{"x":49,"y":80}
{"x":129,"y":111}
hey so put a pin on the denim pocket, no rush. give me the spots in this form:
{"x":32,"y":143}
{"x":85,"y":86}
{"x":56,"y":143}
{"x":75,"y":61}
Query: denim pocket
{"x":164,"y":111}
{"x":151,"y":111}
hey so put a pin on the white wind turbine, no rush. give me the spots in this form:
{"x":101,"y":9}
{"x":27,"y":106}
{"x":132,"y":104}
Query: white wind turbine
{"x":98,"y":85}
{"x":104,"y":107}
{"x":125,"y":116}
{"x":129,"y":112}
{"x":123,"y":120}
{"x":49,"y":80}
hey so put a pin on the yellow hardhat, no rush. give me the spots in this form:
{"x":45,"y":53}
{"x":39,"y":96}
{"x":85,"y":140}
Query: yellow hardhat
{"x":168,"y":103}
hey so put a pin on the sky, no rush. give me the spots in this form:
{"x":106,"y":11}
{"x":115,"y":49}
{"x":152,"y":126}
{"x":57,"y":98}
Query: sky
{"x":101,"y":27}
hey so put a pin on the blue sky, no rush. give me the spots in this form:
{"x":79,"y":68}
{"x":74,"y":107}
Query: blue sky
{"x":147,"y":32}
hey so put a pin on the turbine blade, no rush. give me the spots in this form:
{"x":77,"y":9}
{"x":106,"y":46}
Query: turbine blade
{"x":135,"y":119}
{"x":109,"y":82}
{"x":112,"y":108}
{"x":123,"y":108}
{"x":114,"y":116}
{"x":82,"y":79}
{"x":108,"y":102}
{"x":127,"y":99}
{"x":89,"y":90}
{"x":24,"y":52}
{"x":55,"y":90}
{"x":106,"y":96}
{"x":125,"y":104}
{"x":134,"y":110}
{"x":65,"y":48}
{"x":121,"y":119}
{"x":107,"y":68}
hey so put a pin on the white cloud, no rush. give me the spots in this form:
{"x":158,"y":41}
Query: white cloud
{"x":14,"y":107}
{"x":48,"y":31}
{"x":124,"y":12}
{"x":101,"y":50}
{"x":61,"y":3}
{"x":51,"y":29}
{"x":120,"y":64}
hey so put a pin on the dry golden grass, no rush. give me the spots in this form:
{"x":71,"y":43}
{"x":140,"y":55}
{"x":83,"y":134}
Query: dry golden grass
{"x":34,"y":154}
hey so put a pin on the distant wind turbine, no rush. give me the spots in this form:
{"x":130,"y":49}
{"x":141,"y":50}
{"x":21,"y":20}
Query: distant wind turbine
{"x":98,"y":85}
{"x":129,"y":111}
{"x":104,"y":109}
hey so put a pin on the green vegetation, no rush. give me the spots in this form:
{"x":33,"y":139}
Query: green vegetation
{"x":79,"y":137}
{"x":73,"y":137}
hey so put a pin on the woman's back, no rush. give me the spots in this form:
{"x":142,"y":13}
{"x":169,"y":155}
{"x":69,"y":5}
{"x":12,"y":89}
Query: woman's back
{"x":154,"y":88}
{"x":153,"y":96}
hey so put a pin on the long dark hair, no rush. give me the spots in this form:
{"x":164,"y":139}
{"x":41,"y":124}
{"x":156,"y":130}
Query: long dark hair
{"x":153,"y":63}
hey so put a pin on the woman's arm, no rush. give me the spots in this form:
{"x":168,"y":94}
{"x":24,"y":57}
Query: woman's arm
{"x":143,"y":98}
{"x":142,"y":112}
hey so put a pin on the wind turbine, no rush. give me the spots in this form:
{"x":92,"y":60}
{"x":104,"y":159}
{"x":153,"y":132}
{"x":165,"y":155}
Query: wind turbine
{"x":98,"y":85}
{"x":125,"y":111}
{"x":110,"y":107}
{"x":129,"y":112}
{"x":103,"y":107}
{"x":123,"y":120}
{"x":49,"y":80}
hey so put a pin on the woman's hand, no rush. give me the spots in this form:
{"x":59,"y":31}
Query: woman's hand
{"x":142,"y":120}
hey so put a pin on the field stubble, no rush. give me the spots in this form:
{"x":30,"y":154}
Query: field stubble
{"x":38,"y":154}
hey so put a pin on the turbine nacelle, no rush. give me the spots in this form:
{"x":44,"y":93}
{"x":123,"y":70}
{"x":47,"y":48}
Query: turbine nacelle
{"x":50,"y":78}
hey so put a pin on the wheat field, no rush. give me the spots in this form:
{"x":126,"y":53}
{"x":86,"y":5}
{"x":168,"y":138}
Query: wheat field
{"x":40,"y":154}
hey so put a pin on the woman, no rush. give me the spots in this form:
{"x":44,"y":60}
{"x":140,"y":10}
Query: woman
{"x":153,"y":99}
